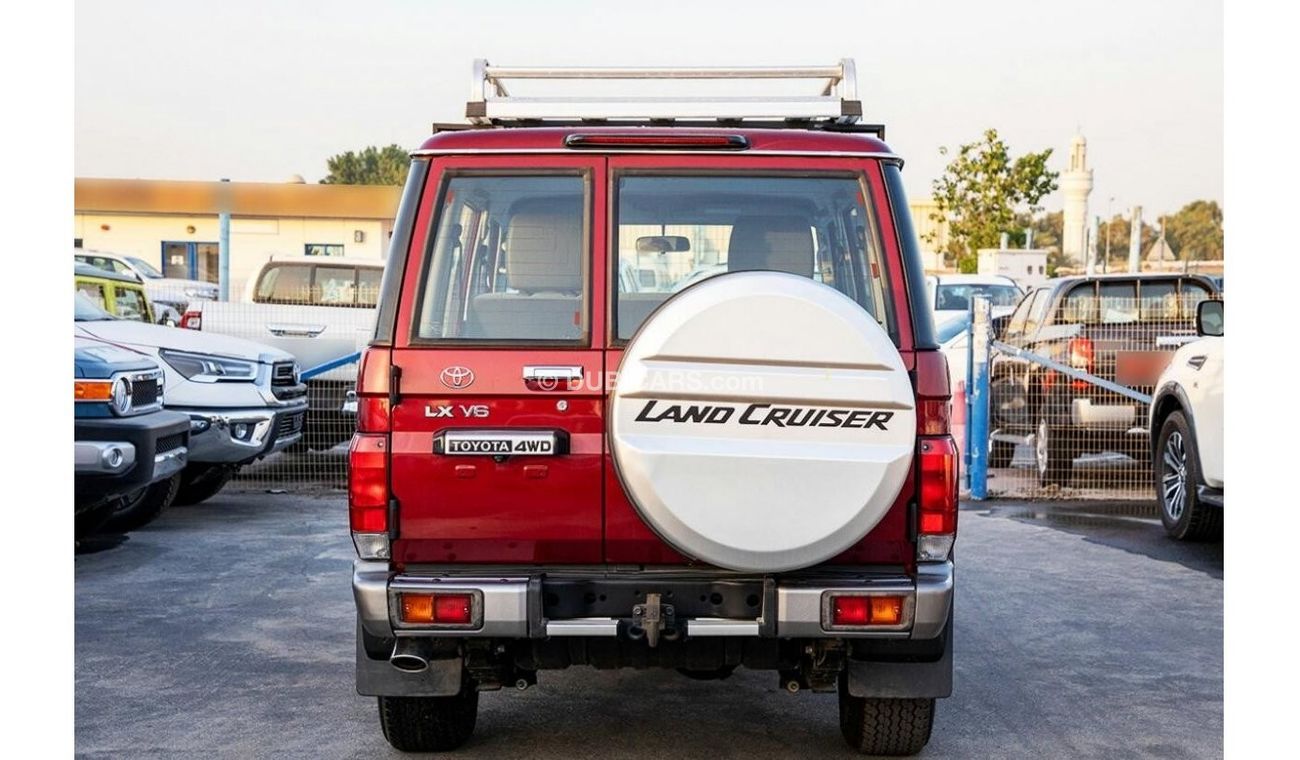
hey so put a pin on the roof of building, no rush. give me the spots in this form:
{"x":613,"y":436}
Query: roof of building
{"x":244,"y":199}
{"x":553,"y":139}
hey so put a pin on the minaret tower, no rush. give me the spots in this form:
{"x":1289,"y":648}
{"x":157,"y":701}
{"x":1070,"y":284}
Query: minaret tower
{"x":1076,"y":184}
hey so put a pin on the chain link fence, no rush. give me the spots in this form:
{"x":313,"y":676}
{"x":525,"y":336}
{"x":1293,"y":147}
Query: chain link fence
{"x":324,"y":325}
{"x":1068,"y":388}
{"x":1068,"y":394}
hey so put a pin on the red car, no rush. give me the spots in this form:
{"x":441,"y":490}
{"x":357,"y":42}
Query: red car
{"x":557,"y":465}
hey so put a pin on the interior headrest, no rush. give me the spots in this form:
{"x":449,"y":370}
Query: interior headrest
{"x":544,"y":246}
{"x":778,"y":243}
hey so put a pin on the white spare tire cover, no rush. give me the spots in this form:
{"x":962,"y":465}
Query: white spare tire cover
{"x":762,"y":422}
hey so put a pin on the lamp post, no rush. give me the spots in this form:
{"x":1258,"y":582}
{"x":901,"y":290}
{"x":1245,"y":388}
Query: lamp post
{"x":1110,"y":219}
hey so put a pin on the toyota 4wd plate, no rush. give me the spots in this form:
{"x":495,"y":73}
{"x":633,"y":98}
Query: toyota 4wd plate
{"x":497,"y":443}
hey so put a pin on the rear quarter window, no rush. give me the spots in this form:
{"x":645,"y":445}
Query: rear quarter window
{"x":508,"y":261}
{"x":285,"y":283}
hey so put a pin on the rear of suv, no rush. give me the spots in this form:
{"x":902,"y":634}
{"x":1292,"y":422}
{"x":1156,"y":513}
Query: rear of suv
{"x":742,"y":461}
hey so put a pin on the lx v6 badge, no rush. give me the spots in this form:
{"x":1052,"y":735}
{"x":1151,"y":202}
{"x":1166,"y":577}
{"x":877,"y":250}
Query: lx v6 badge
{"x":448,"y":410}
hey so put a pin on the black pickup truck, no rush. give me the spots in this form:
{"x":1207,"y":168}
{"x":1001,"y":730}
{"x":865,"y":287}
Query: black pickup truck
{"x":1120,"y":328}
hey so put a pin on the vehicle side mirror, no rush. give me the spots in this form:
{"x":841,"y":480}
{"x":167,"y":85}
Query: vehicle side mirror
{"x":1209,"y":318}
{"x":1000,"y":325}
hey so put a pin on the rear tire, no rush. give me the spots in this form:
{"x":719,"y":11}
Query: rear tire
{"x":1176,"y":473}
{"x":136,"y":510}
{"x":874,"y":726}
{"x":1001,"y":453}
{"x":200,"y":482}
{"x":1053,"y":454}
{"x":429,"y":724}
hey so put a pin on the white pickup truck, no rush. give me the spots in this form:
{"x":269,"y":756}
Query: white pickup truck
{"x":321,"y":310}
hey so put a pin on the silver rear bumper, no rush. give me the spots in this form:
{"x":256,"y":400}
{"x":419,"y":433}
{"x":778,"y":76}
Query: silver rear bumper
{"x":510,"y":607}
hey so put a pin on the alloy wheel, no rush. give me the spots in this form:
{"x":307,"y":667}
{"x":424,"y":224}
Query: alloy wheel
{"x":1173,"y":476}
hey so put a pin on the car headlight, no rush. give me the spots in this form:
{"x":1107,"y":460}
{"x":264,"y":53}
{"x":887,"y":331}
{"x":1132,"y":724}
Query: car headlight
{"x":120,"y":398}
{"x":208,"y":294}
{"x":204,"y":368}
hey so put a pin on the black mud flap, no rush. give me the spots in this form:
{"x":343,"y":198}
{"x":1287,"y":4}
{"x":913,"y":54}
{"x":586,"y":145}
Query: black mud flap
{"x":376,"y":678}
{"x":903,"y":680}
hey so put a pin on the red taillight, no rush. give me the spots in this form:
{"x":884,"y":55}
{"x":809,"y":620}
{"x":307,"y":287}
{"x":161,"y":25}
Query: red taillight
{"x":937,"y":492}
{"x":373,"y":381}
{"x":368,"y":483}
{"x":661,"y":142}
{"x":851,"y":610}
{"x":1081,"y":357}
{"x":452,"y":608}
{"x":192,"y":320}
{"x":933,"y":394}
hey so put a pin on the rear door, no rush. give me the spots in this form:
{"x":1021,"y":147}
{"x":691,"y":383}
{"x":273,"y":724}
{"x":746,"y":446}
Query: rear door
{"x":683,"y":217}
{"x":498,"y":429}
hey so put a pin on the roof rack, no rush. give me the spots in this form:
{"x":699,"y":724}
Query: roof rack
{"x":836,"y":104}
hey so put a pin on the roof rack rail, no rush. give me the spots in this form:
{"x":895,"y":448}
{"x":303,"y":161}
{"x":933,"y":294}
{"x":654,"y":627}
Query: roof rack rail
{"x":491,"y":103}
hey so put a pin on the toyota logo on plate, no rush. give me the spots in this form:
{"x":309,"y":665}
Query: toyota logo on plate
{"x":457,"y":377}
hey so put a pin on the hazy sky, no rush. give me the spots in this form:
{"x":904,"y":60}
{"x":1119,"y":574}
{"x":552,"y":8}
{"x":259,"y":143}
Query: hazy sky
{"x":264,"y":90}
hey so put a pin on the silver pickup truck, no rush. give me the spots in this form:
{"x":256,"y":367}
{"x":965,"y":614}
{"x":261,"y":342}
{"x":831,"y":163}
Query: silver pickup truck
{"x":319,"y":309}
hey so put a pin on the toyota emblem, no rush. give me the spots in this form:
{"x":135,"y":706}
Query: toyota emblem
{"x":457,"y":377}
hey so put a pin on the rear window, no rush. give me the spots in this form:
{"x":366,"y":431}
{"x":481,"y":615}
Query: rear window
{"x":676,"y":231}
{"x":507,"y":262}
{"x":957,"y":297}
{"x":319,"y":285}
{"x":1117,"y":303}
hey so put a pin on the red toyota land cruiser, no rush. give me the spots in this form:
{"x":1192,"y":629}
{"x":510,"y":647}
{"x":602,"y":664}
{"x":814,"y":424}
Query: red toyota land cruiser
{"x":654,"y":391}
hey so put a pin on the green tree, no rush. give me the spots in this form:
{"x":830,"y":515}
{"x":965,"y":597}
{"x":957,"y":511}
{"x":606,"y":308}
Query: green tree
{"x":1117,"y":232}
{"x":1196,"y":231}
{"x":981,"y":190}
{"x":371,"y":166}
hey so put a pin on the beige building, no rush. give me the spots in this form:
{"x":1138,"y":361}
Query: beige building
{"x":174,"y":225}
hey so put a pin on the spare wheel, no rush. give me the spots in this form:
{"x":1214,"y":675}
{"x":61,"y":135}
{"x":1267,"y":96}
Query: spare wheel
{"x":762,"y":421}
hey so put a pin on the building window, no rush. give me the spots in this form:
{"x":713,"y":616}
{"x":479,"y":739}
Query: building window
{"x":322,"y":249}
{"x":76,"y":242}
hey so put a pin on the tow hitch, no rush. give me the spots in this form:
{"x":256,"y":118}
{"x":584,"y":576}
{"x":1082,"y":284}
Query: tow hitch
{"x":651,"y":619}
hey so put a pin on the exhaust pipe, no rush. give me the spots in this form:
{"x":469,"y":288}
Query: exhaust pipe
{"x":411,"y":655}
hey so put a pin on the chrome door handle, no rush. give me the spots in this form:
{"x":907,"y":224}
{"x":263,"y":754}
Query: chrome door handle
{"x":552,"y":378}
{"x":304,"y":331}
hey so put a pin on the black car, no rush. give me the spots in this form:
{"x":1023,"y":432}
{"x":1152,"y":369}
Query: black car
{"x":125,"y":441}
{"x":1118,"y":328}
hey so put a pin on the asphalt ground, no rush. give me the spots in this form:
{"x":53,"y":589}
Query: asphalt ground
{"x":226,"y":630}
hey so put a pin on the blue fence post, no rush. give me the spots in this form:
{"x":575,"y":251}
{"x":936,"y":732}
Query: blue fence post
{"x":223,"y":246}
{"x":970,"y":383}
{"x":978,"y":432}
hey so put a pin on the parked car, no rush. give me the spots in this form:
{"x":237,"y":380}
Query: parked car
{"x":952,"y":335}
{"x":1187,"y":432}
{"x":173,"y":292}
{"x":953,"y":292}
{"x":771,"y":483}
{"x":244,"y":400}
{"x":121,"y":295}
{"x":319,"y":309}
{"x":1119,"y":328}
{"x":125,"y":443}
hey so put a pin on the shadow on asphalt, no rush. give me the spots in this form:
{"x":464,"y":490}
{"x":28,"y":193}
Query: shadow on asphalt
{"x":100,"y":542}
{"x":1130,"y":526}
